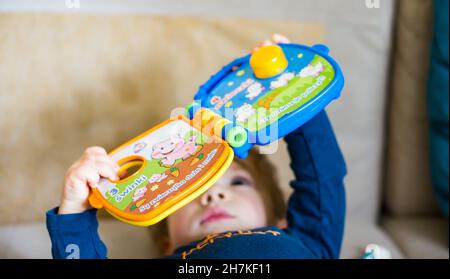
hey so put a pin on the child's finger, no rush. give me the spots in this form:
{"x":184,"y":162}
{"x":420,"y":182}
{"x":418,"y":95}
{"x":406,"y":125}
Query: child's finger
{"x":105,"y":170}
{"x":123,"y":174}
{"x":95,"y":150}
{"x":266,"y":43}
{"x":262,"y":44}
{"x":107,"y":160}
{"x":255,"y":49}
{"x":88,"y":174}
{"x":280,"y":39}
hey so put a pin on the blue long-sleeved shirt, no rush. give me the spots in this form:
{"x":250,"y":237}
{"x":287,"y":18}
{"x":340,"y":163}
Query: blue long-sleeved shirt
{"x":315,"y":215}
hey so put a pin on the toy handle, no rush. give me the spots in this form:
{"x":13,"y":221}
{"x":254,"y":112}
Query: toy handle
{"x":211,"y":122}
{"x":93,"y":200}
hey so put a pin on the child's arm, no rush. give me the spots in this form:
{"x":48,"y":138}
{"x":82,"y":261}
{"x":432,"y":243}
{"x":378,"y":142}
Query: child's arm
{"x":316,"y":209}
{"x":73,"y":226}
{"x":75,"y":236}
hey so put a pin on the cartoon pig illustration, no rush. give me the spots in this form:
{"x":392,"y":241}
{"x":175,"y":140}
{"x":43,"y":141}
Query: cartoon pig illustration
{"x":139,"y":193}
{"x":173,"y":149}
{"x":157,"y":177}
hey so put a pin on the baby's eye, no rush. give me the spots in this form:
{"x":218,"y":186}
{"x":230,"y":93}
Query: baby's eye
{"x":240,"y":181}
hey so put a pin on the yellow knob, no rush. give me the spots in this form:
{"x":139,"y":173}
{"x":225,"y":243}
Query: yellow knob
{"x":268,"y":61}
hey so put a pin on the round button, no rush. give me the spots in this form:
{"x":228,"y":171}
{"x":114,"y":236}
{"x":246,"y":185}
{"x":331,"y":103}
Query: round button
{"x":268,"y":61}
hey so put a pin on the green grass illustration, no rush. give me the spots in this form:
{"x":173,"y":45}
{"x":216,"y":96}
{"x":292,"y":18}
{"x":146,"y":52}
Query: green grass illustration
{"x":279,"y":97}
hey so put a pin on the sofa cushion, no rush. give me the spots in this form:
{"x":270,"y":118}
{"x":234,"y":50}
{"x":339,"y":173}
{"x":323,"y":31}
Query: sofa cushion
{"x":101,"y":81}
{"x":31,"y":241}
{"x":408,"y":184}
{"x":420,"y":237}
{"x":25,"y":241}
{"x":360,"y":233}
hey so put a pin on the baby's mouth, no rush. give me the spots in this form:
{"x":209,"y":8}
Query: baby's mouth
{"x":214,"y":214}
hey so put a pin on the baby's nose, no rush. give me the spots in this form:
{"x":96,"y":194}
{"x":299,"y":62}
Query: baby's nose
{"x":212,"y":196}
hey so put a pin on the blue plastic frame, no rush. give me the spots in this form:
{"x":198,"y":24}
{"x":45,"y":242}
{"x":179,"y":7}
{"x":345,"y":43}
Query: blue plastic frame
{"x":290,"y":121}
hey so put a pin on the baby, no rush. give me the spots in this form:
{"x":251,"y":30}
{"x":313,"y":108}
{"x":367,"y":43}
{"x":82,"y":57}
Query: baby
{"x":242,"y":216}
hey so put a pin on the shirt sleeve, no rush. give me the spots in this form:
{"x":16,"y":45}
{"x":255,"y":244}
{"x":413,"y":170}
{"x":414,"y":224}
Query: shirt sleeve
{"x":75,"y":236}
{"x":316,"y":209}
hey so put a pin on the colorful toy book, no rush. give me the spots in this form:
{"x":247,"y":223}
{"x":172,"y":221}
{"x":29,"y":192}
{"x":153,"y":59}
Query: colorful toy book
{"x":256,"y":99}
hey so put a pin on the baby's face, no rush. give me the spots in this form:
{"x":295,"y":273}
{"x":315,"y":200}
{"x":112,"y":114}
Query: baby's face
{"x":233,"y":203}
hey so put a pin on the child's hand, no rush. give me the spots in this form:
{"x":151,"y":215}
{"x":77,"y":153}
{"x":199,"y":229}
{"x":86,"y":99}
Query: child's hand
{"x":84,"y":173}
{"x":276,"y":39}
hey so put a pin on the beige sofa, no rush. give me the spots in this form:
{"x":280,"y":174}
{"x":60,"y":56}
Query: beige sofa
{"x":102,"y":74}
